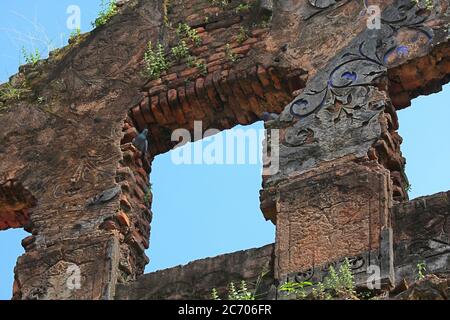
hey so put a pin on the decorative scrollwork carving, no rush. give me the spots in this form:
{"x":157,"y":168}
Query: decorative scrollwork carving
{"x":367,"y":61}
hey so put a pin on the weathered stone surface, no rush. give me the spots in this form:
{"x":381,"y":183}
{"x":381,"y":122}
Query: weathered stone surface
{"x":197,"y":279}
{"x":330,"y":213}
{"x":429,"y":288}
{"x":67,"y":139}
{"x":421,"y":235}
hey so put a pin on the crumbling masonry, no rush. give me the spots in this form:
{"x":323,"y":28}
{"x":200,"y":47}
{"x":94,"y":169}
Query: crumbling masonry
{"x":341,"y":189}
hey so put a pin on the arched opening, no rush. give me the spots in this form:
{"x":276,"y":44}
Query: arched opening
{"x":425,"y":131}
{"x":205,"y":207}
{"x":15,"y":205}
{"x":10,"y":250}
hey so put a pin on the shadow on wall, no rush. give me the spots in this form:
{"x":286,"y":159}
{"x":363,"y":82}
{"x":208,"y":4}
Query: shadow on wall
{"x":202,"y":210}
{"x":425,"y":130}
{"x":10,"y":250}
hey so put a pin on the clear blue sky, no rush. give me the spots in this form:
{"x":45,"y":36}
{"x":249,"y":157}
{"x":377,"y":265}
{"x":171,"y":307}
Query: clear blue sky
{"x":202,"y":211}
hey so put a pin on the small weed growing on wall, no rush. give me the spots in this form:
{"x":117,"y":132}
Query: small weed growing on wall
{"x":201,"y":66}
{"x":185,"y":31}
{"x":408,"y":187}
{"x":155,"y":61}
{"x":232,"y":57}
{"x":421,"y":270}
{"x":243,"y":7}
{"x":148,"y":194}
{"x":31,"y":57}
{"x":180,"y":51}
{"x":167,"y":10}
{"x":243,"y":292}
{"x":190,"y":61}
{"x":296,"y":288}
{"x":8,"y":92}
{"x":234,"y":293}
{"x":75,"y":36}
{"x":109,"y":10}
{"x":242,"y":35}
{"x":335,"y":284}
{"x":427,"y":4}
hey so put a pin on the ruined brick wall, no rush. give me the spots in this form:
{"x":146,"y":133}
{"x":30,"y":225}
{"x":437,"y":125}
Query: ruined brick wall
{"x":225,"y":79}
{"x":71,"y":177}
{"x":421,"y":234}
{"x":197,"y":279}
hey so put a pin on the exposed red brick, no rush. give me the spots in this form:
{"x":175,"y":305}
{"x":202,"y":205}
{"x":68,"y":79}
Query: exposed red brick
{"x":158,"y":114}
{"x":170,"y":77}
{"x":191,"y":98}
{"x":216,"y":56}
{"x":165,"y":107}
{"x":174,"y":104}
{"x":241,"y":50}
{"x":123,"y":219}
{"x":139,"y":118}
{"x":188,"y":72}
{"x":156,"y":90}
{"x":146,"y":112}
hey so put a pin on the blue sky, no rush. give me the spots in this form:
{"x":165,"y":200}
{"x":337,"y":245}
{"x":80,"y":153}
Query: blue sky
{"x":202,"y":211}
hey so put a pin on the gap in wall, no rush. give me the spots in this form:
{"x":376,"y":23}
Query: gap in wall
{"x":10,"y":249}
{"x":425,"y":129}
{"x":202,"y":211}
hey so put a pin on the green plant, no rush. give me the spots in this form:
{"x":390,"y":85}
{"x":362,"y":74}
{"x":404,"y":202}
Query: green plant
{"x":335,"y":284}
{"x":8,"y":92}
{"x":341,"y":281}
{"x":239,"y":294}
{"x":185,"y":31}
{"x":167,"y":8}
{"x":215,"y":294}
{"x":75,"y":36}
{"x":242,"y":35}
{"x":229,"y":54}
{"x":296,"y":288}
{"x":108,"y":10}
{"x":148,"y":194}
{"x":40,"y":100}
{"x":427,"y":4}
{"x":421,"y":270}
{"x":31,"y":57}
{"x":243,"y":7}
{"x":320,"y":292}
{"x":201,"y":66}
{"x":155,"y":61}
{"x":408,"y":187}
{"x":190,"y":61}
{"x":180,"y":51}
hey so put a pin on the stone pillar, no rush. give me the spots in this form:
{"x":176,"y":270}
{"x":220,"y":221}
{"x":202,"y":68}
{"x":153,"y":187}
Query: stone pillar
{"x":90,"y":226}
{"x":332,"y":195}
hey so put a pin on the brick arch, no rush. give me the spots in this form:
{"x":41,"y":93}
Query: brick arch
{"x":420,"y":76}
{"x":91,"y":87}
{"x":251,"y":93}
{"x":16,"y":203}
{"x":221,"y":100}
